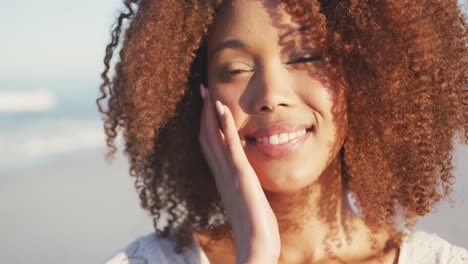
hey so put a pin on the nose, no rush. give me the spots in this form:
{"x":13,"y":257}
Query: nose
{"x":271,"y":90}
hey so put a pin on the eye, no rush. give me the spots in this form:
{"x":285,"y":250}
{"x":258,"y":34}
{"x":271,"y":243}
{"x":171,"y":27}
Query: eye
{"x":230,"y":73}
{"x":233,"y":69}
{"x":305,"y":59}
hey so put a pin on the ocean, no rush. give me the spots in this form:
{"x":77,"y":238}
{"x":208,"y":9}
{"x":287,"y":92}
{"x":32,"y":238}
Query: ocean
{"x":60,"y":202}
{"x":41,"y":120}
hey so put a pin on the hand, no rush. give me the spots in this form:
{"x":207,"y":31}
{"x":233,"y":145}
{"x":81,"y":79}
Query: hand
{"x":253,"y":222}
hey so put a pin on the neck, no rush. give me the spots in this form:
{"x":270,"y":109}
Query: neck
{"x":315,"y":221}
{"x":315,"y":224}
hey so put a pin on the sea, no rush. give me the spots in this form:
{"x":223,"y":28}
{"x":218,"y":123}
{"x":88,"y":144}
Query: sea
{"x":41,"y":120}
{"x":52,"y":177}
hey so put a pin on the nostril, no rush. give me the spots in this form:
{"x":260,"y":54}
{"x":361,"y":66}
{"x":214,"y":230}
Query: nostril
{"x":271,"y":108}
{"x":265,"y":108}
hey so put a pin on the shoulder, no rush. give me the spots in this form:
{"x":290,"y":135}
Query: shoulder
{"x":423,"y":248}
{"x":150,"y":249}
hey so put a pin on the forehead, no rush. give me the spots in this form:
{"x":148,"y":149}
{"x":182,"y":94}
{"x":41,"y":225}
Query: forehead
{"x":251,"y":20}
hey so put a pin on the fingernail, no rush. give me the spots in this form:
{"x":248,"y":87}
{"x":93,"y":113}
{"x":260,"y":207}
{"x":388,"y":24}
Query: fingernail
{"x":202,"y":91}
{"x":243,"y":142}
{"x":220,"y":108}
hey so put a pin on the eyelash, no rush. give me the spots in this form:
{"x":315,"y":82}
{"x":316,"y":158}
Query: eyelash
{"x":305,"y":59}
{"x":233,"y":72}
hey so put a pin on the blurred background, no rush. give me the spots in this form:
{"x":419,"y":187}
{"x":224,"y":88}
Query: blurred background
{"x":60,"y":202}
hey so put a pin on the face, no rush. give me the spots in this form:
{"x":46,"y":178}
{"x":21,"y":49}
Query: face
{"x":262,"y":67}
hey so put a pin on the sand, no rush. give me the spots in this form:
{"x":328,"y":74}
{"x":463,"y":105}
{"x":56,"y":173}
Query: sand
{"x":78,"y":209}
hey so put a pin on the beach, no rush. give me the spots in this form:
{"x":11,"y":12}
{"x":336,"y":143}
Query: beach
{"x":77,"y":208}
{"x":73,"y":209}
{"x":61,"y":202}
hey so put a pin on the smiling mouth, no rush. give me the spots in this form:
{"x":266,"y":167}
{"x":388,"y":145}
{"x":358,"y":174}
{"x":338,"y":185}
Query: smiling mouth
{"x":280,"y":138}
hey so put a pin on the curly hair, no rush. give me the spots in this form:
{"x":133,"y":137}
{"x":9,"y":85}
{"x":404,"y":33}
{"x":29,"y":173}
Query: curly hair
{"x":404,"y":68}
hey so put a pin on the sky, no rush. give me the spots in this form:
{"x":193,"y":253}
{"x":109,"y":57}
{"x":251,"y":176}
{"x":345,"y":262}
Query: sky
{"x":54,"y":39}
{"x":51,"y":47}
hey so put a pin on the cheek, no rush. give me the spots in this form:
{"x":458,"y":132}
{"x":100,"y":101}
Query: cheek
{"x":334,"y":120}
{"x":330,"y":111}
{"x":317,"y":97}
{"x":325,"y":98}
{"x":231,"y":98}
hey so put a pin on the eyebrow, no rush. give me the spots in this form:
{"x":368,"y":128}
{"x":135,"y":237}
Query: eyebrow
{"x":295,"y":31}
{"x":230,"y":44}
{"x":238,"y":44}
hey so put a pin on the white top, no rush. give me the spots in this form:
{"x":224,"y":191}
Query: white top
{"x":418,"y":248}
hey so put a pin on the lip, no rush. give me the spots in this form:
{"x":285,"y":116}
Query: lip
{"x":278,"y":128}
{"x":279,"y":150}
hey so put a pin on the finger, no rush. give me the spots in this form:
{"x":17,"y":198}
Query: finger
{"x":203,"y":138}
{"x":202,"y":132}
{"x":232,"y":142}
{"x":211,"y":138}
{"x":211,"y":123}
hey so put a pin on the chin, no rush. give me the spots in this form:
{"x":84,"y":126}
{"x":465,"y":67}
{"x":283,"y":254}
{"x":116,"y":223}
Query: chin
{"x":283,"y":179}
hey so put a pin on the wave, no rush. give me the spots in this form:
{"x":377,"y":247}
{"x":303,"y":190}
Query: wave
{"x":42,"y":139}
{"x":27,"y":101}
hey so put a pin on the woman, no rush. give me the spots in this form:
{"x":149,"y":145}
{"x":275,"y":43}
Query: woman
{"x":248,"y":123}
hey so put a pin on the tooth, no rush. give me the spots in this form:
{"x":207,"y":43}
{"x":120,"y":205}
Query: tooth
{"x":293,"y":135}
{"x":283,"y":138}
{"x":302,"y":132}
{"x":265,"y":140}
{"x":273,"y":140}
